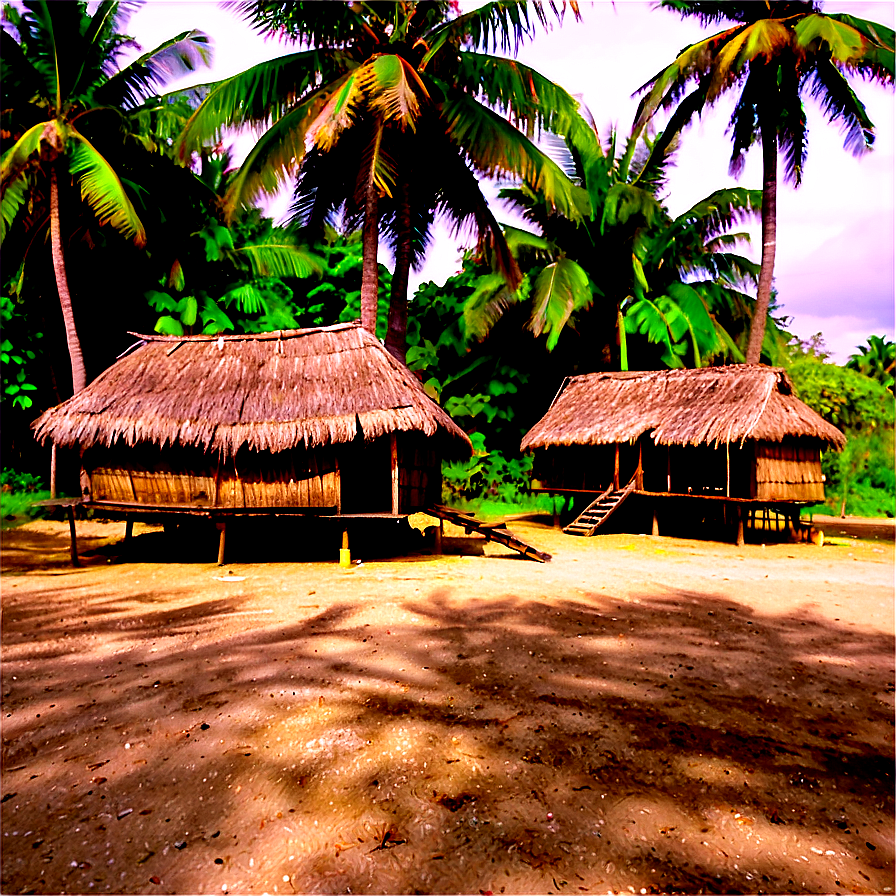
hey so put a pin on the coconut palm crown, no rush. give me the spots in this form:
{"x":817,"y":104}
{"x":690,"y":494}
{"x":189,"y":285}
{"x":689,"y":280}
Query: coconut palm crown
{"x":410,"y":101}
{"x":775,"y":53}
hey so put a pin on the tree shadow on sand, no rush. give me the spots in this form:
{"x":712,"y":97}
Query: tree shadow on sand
{"x":681,"y":744}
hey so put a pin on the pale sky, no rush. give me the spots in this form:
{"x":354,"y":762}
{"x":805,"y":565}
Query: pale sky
{"x":835,"y":257}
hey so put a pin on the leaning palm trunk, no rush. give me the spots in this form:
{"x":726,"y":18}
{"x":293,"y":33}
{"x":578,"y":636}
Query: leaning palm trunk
{"x":396,"y":335}
{"x":79,"y":373}
{"x":769,"y":239}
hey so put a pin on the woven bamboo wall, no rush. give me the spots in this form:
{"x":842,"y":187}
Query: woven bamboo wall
{"x":789,"y":471}
{"x":147,"y":475}
{"x":419,"y":473}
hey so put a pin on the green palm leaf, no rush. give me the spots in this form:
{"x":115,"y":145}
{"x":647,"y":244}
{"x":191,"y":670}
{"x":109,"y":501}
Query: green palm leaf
{"x":495,"y":147}
{"x":275,"y":257}
{"x":178,"y":56}
{"x":259,"y":95}
{"x":102,"y":189}
{"x":561,"y":289}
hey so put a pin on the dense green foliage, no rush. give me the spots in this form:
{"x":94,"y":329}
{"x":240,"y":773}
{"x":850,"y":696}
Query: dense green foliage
{"x":861,"y":480}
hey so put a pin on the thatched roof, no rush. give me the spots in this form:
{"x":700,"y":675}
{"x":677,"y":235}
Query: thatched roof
{"x":680,"y":407}
{"x":267,"y":392}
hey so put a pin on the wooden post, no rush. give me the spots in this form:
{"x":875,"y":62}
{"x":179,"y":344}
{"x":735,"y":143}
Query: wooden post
{"x":728,"y":471}
{"x":556,"y":511}
{"x":393,"y":445}
{"x":53,"y":470}
{"x":74,"y":535}
{"x":668,"y":468}
{"x":639,"y":473}
{"x":222,"y":527}
{"x":655,"y":528}
{"x":740,"y":527}
{"x":128,"y":531}
{"x":439,"y":533}
{"x":616,"y":468}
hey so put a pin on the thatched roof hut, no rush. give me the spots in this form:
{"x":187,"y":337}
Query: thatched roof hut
{"x":737,"y":430}
{"x":266,"y":392}
{"x":710,"y":405}
{"x":272,"y":419}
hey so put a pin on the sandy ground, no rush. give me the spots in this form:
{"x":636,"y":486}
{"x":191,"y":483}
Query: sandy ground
{"x":640,"y":715}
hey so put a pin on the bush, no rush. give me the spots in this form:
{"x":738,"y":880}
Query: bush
{"x":18,"y":492}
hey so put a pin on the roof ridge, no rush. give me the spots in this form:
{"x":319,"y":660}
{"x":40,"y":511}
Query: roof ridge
{"x":253,"y":337}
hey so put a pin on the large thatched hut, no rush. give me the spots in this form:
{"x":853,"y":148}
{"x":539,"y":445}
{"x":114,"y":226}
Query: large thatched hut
{"x":320,"y":420}
{"x":735,"y":433}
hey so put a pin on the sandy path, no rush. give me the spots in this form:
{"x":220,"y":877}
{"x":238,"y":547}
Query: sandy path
{"x":640,"y":715}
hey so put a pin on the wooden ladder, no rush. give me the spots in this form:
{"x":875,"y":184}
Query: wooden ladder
{"x":490,"y":531}
{"x":594,"y":515}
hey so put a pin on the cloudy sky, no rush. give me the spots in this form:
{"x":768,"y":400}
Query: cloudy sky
{"x":835,"y":259}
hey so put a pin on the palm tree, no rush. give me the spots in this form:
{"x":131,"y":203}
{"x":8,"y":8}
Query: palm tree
{"x":776,"y":53}
{"x":382,"y":88}
{"x":65,"y":103}
{"x":631,"y":266}
{"x":876,"y":359}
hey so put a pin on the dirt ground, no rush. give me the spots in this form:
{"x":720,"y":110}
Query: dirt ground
{"x":641,"y":715}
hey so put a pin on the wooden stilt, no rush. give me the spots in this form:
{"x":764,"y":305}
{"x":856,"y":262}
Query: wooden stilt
{"x":128,"y":531}
{"x":616,"y":468}
{"x":740,"y":527}
{"x":439,"y":534}
{"x":655,"y":528}
{"x":53,"y":471}
{"x":70,"y":510}
{"x":556,"y":510}
{"x":222,"y":527}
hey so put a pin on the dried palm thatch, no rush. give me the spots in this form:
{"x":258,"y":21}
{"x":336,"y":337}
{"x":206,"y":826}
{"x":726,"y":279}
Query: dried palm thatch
{"x":711,"y":405}
{"x":265,"y":392}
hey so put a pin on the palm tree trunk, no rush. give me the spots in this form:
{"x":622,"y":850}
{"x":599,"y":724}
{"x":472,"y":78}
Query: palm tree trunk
{"x":369,"y":269}
{"x":79,"y":372}
{"x":769,"y":237}
{"x":396,"y":335}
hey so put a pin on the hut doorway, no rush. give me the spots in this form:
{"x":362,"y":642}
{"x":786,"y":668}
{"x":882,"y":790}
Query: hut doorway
{"x":365,"y":470}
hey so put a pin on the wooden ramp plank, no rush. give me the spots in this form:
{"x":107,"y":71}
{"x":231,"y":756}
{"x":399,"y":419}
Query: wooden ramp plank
{"x":497,"y":532}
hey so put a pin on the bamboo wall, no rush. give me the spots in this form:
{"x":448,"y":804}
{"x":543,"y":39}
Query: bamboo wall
{"x":181,"y":476}
{"x":350,"y":478}
{"x":789,"y":471}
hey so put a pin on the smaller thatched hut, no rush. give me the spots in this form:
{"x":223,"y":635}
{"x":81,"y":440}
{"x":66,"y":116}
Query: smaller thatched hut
{"x":735,"y":433}
{"x":320,"y":420}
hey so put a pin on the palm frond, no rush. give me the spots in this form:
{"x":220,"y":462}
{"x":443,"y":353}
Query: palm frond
{"x":276,"y":256}
{"x":532,"y":102}
{"x":259,"y":95}
{"x":841,"y":105}
{"x":102,"y":189}
{"x":495,"y":147}
{"x":310,"y":23}
{"x":180,"y":55}
{"x":393,"y":88}
{"x":17,"y":157}
{"x":487,"y":304}
{"x":496,"y":26}
{"x":13,"y":198}
{"x":275,"y":156}
{"x":877,"y":60}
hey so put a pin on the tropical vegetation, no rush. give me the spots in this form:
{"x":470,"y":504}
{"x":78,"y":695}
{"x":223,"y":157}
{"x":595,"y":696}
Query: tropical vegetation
{"x":69,"y":111}
{"x":394,"y":111}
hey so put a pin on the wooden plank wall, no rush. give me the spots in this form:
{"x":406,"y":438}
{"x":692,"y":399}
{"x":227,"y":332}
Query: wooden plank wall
{"x":789,"y":470}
